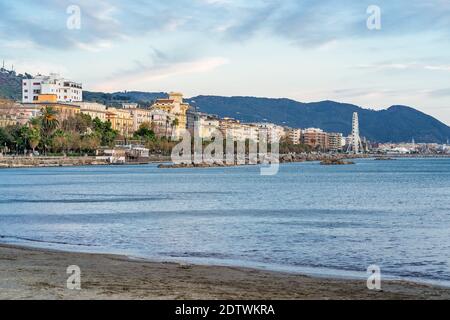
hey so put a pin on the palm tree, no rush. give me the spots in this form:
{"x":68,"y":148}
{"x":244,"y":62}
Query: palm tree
{"x":50,"y":123}
{"x":174,"y":125}
{"x":50,"y":120}
{"x":34,"y":138}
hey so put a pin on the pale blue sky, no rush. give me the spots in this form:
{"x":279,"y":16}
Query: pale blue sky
{"x":307,"y":50}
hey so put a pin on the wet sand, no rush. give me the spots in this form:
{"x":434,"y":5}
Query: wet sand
{"x":27,"y":273}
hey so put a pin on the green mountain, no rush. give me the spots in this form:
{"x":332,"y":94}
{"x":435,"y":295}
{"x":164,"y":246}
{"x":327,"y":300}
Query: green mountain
{"x":395,"y":124}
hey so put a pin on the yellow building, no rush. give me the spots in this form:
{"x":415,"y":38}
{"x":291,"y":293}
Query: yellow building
{"x":6,"y":121}
{"x":121,"y":120}
{"x":139,"y":115}
{"x":64,"y":111}
{"x":93,"y":109}
{"x":174,"y":106}
{"x":47,"y":98}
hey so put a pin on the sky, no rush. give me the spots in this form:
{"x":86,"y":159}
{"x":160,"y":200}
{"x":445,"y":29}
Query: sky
{"x":307,"y":50}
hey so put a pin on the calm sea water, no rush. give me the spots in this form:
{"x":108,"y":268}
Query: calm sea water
{"x":332,"y":220}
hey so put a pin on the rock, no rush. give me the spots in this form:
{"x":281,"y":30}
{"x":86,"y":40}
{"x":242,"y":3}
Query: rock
{"x":335,"y":162}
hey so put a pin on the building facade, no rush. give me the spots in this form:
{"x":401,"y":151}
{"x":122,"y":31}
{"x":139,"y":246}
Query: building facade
{"x":174,"y":106}
{"x":315,"y":138}
{"x":121,"y":120}
{"x":161,"y":122}
{"x":273,"y":132}
{"x":53,"y":88}
{"x":295,"y":136}
{"x":93,"y":109}
{"x":334,"y":142}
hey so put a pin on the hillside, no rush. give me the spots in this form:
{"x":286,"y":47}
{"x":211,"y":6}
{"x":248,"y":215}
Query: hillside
{"x":396,"y":124}
{"x":11,"y":84}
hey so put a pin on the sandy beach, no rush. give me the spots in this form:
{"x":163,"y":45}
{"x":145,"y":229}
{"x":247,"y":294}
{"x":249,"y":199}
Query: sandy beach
{"x":27,"y":273}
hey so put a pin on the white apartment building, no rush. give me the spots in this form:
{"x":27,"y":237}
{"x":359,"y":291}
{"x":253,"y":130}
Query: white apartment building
{"x":208,"y":126}
{"x":295,"y":136}
{"x":62,"y":89}
{"x":273,"y":132}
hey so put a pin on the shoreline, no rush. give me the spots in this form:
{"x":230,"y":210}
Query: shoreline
{"x":30,"y":273}
{"x":21,"y":162}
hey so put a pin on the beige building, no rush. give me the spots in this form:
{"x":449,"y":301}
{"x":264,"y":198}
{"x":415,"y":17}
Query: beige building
{"x":64,"y":110}
{"x":272,"y":131}
{"x":239,"y":131}
{"x":161,"y":122}
{"x":121,"y":120}
{"x":140,"y":116}
{"x":7,"y":121}
{"x":207,"y":126}
{"x":174,"y":106}
{"x":93,"y":109}
{"x":334,"y":141}
{"x":295,"y":136}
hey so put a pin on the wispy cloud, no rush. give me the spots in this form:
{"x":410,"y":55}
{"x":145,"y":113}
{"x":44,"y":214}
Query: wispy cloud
{"x":143,"y":75}
{"x":303,"y":22}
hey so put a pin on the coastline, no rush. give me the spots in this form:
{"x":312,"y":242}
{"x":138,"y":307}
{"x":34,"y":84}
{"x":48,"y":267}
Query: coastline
{"x":13,"y":162}
{"x":17,"y":162}
{"x":27,"y":273}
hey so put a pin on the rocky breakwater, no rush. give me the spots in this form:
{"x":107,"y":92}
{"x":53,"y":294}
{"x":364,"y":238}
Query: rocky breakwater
{"x":322,"y":157}
{"x":31,"y":162}
{"x":325,"y":159}
{"x":335,"y":162}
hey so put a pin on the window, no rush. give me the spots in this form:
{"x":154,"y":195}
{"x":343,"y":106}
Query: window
{"x":26,"y":97}
{"x":26,"y":90}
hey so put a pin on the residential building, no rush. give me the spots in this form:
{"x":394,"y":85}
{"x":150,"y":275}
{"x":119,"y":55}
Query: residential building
{"x":315,"y":138}
{"x":7,"y":120}
{"x":208,"y":125}
{"x":140,"y":116}
{"x":230,"y":128}
{"x":121,"y":120}
{"x":93,"y":109}
{"x":334,"y":142}
{"x":272,"y":131}
{"x":161,"y":122}
{"x":52,"y":88}
{"x":295,"y":136}
{"x":174,"y":106}
{"x":64,"y":110}
{"x":129,"y":105}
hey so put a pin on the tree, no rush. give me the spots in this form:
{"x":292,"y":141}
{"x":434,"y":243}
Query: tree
{"x":50,"y":120}
{"x":145,"y":132}
{"x":90,"y":143}
{"x":80,"y":123}
{"x":34,"y":138}
{"x":49,"y":123}
{"x":6,"y":139}
{"x":60,"y":141}
{"x":105,"y":132}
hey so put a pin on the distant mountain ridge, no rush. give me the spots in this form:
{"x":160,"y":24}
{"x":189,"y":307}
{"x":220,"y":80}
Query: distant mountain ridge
{"x":395,"y":124}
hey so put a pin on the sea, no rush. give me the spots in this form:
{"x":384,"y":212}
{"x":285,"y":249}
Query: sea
{"x":310,"y":219}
